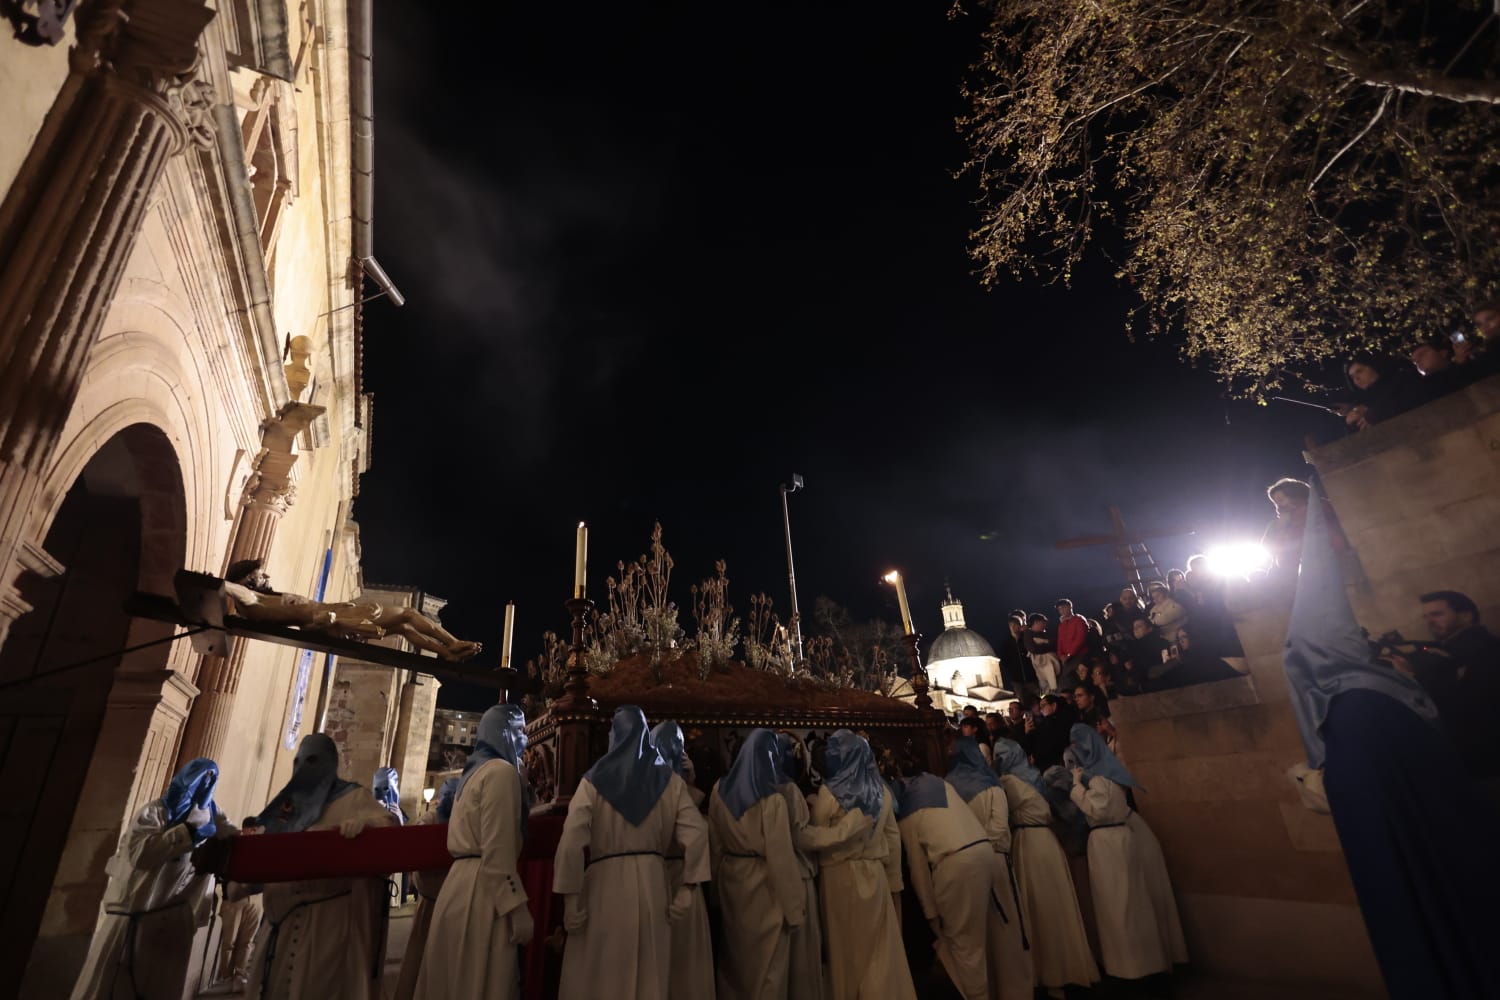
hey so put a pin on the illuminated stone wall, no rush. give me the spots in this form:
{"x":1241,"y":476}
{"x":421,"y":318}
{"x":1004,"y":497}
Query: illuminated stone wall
{"x":1419,"y":498}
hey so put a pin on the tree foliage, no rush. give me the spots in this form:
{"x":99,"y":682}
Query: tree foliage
{"x":1295,"y":179}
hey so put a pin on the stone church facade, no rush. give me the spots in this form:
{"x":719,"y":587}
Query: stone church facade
{"x":184,"y":246}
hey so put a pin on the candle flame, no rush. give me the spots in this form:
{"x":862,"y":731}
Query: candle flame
{"x":892,"y":576}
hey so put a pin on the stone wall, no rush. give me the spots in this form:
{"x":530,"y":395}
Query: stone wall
{"x":1261,"y":881}
{"x":1419,"y":499}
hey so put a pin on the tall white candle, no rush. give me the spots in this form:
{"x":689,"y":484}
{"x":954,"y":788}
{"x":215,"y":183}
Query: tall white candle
{"x":510,"y":631}
{"x":580,"y":560}
{"x":895,"y":577}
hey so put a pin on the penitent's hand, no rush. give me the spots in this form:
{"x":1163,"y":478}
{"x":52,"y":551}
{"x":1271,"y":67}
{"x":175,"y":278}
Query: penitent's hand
{"x":351,"y":828}
{"x":681,"y":903}
{"x":574,"y":915}
{"x":521,"y":926}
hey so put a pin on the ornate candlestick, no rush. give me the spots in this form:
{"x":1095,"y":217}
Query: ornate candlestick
{"x":919,"y":684}
{"x":576,"y":690}
{"x":575,"y":713}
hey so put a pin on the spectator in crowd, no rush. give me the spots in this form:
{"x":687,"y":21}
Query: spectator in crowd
{"x":1088,"y":704}
{"x":1015,"y":715}
{"x":1177,"y":587}
{"x":994,"y":725}
{"x":1129,"y":609}
{"x":1188,"y":663}
{"x":1433,"y":358}
{"x":1167,"y":613}
{"x":1110,"y":628}
{"x":1072,"y":633}
{"x":1041,"y":647}
{"x":1080,"y":672}
{"x":1143,"y":651}
{"x":1283,"y":537}
{"x":1047,"y":731}
{"x":1213,"y":628}
{"x":1103,"y":683}
{"x":1462,"y":676}
{"x":1473,"y":349}
{"x":1377,"y":390}
{"x":1012,"y":653}
{"x":973,"y":727}
{"x":1487,"y":320}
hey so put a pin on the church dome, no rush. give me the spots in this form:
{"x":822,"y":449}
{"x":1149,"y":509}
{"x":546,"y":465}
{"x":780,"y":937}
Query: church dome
{"x":957,"y":640}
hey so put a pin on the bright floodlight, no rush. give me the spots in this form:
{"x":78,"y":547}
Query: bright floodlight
{"x":1238,"y":560}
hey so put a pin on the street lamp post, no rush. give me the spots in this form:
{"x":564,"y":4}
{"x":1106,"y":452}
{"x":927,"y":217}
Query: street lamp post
{"x":791,"y":573}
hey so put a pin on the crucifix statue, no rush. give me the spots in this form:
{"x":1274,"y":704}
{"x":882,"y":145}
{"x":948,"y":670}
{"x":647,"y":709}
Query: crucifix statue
{"x":247,"y":583}
{"x":1129,"y":547}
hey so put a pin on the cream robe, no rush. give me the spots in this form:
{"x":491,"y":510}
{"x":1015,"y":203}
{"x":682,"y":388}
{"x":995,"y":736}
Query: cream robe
{"x":862,"y":930}
{"x":428,"y":885}
{"x":760,"y":896}
{"x":151,"y":875}
{"x":468,"y":951}
{"x":1054,"y":924}
{"x":692,"y":942}
{"x":1130,"y":940}
{"x":324,"y":939}
{"x":951,"y":864}
{"x":1159,"y":884}
{"x":624,"y":949}
{"x":1010,"y":967}
{"x":806,"y":961}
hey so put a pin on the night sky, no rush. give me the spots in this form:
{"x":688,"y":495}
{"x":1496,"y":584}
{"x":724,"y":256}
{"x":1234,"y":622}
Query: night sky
{"x":656,"y":261}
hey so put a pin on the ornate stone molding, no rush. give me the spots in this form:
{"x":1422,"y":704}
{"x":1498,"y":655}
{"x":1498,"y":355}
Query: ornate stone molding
{"x":148,"y":50}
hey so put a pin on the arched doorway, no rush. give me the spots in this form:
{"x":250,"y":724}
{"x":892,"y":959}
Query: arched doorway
{"x":76,"y":747}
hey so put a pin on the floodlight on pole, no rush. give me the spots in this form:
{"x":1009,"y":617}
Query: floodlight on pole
{"x":791,"y":572}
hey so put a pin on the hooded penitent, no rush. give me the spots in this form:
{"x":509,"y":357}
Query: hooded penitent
{"x":386,"y":787}
{"x":967,"y":771}
{"x":1096,"y":758}
{"x":921,"y":791}
{"x":851,"y":776}
{"x":632,"y":775}
{"x":192,"y":787}
{"x":667,"y":738}
{"x":501,"y":736}
{"x":446,"y":795}
{"x":1010,"y":758}
{"x":1326,"y":653}
{"x":753,"y":776}
{"x":788,"y":761}
{"x":314,"y":783}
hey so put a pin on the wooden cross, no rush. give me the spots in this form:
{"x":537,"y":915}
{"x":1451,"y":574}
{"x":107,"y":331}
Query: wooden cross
{"x":1129,"y":548}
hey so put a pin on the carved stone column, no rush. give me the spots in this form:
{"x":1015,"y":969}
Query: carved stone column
{"x":72,"y":217}
{"x":268,"y":495}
